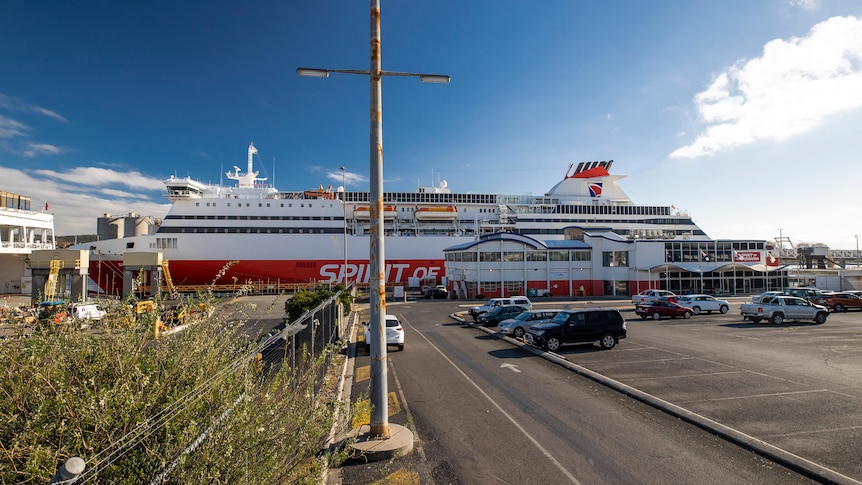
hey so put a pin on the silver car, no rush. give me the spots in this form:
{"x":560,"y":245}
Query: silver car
{"x":518,"y":326}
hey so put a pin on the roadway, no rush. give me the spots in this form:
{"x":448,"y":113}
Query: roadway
{"x":486,"y":410}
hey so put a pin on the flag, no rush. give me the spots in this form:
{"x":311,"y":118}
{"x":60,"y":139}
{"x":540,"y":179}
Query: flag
{"x":771,"y":260}
{"x":46,"y":205}
{"x":704,"y":255}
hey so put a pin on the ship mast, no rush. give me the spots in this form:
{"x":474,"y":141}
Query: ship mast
{"x":247,"y":179}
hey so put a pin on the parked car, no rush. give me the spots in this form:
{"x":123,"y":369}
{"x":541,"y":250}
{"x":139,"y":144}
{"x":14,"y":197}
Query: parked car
{"x":519,"y":325}
{"x":765,"y":294}
{"x":603,"y":325}
{"x":495,"y":302}
{"x":438,"y":294}
{"x":647,"y":296}
{"x":87,"y":311}
{"x":499,"y":314}
{"x":658,"y":309}
{"x":704,"y":303}
{"x":839,"y":301}
{"x":808,"y":293}
{"x":777,"y":309}
{"x":394,"y":333}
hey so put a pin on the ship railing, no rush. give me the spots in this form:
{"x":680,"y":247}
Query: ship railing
{"x":20,"y":246}
{"x":249,"y":288}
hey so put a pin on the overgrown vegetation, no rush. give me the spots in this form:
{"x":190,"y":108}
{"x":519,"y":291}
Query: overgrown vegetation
{"x":304,"y":300}
{"x":130,"y":404}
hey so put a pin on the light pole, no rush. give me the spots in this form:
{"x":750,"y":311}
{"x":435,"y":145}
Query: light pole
{"x":344,"y":205}
{"x":377,"y":262}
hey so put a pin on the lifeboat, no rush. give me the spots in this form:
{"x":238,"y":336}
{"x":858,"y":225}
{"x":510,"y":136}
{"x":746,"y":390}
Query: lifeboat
{"x":364,"y":212}
{"x":437,"y":213}
{"x":320,"y":193}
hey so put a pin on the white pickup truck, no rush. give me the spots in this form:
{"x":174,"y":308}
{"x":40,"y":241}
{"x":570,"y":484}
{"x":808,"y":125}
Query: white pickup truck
{"x":779,"y":308}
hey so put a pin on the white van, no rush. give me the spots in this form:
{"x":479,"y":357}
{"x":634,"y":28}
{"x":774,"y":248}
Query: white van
{"x":493,"y":303}
{"x":87,"y":311}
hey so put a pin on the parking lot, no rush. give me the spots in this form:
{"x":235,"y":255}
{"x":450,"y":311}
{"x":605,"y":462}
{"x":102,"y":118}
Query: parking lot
{"x":795,"y":386}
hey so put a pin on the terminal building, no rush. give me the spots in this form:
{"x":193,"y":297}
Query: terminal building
{"x":603,"y":263}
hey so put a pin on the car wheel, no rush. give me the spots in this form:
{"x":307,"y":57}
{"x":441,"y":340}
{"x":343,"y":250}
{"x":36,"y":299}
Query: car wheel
{"x":686,"y":315}
{"x":840,"y":308}
{"x":400,"y":347}
{"x":656,"y":316}
{"x":552,"y":344}
{"x":696,"y":310}
{"x":820,"y":318}
{"x":756,"y":319}
{"x":518,"y":333}
{"x":608,"y":341}
{"x":723,"y":309}
{"x":644,"y":317}
{"x":777,"y":319}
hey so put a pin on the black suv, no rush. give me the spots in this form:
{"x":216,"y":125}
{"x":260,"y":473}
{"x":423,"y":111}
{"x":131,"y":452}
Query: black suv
{"x":603,"y":325}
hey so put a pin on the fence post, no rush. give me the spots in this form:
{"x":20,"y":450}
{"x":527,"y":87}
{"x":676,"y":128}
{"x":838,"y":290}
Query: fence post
{"x":68,"y":472}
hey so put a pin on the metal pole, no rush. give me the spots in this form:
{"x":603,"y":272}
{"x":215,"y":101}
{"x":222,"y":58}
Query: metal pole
{"x":377,"y":263}
{"x":344,"y":205}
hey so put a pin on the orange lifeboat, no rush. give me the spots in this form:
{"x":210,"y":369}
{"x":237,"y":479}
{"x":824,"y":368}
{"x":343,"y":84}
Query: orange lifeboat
{"x":320,"y":193}
{"x":437,"y":213}
{"x":364,"y":212}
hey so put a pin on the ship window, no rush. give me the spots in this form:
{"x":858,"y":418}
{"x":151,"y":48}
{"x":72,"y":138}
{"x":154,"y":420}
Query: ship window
{"x":282,"y":204}
{"x":130,"y":245}
{"x":290,"y":205}
{"x":197,"y":204}
{"x":267,"y":204}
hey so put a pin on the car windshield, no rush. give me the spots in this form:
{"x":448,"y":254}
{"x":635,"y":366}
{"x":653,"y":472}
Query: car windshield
{"x":560,"y":318}
{"x":523,"y":316}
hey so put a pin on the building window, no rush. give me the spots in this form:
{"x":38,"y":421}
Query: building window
{"x":513,"y":256}
{"x":489,"y":256}
{"x":537,"y":256}
{"x":612,"y":259}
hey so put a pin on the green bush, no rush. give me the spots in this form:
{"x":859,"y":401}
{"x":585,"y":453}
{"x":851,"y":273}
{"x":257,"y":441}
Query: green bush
{"x":305,"y":300}
{"x":130,"y":404}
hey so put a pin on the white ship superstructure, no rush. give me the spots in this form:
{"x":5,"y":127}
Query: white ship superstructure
{"x":260,"y":233}
{"x":22,"y":231}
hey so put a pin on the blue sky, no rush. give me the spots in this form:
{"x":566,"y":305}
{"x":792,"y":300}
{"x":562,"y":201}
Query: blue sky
{"x":745,"y":114}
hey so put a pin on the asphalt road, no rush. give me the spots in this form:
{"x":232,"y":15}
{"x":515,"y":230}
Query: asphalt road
{"x":488,"y":411}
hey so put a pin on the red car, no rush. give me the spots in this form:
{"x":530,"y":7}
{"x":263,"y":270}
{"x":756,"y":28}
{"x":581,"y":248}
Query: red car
{"x":839,"y":302}
{"x":658,"y":309}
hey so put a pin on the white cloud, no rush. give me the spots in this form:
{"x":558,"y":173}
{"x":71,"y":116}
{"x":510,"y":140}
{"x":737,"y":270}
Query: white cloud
{"x":94,"y":176}
{"x":17,"y":104}
{"x":75,"y":211}
{"x":806,"y":4}
{"x":349,"y":178}
{"x":10,"y":128}
{"x":791,"y":89}
{"x":35,"y":149}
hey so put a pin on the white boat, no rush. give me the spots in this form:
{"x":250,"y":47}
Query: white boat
{"x":253,"y":232}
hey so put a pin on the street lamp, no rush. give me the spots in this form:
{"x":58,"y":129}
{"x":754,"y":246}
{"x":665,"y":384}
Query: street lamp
{"x":344,"y":205}
{"x":377,"y":263}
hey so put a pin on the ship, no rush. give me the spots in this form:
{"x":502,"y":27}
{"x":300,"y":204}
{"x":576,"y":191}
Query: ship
{"x":251,"y":232}
{"x":23,"y":229}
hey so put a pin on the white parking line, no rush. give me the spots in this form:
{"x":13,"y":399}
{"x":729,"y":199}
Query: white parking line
{"x":512,"y":420}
